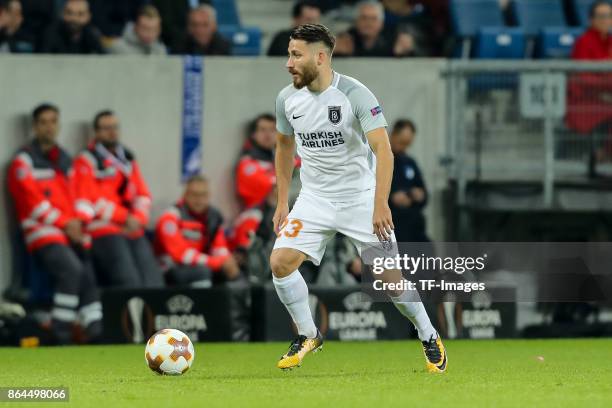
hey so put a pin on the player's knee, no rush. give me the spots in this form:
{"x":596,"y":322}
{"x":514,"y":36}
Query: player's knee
{"x":282,"y":264}
{"x":278,"y":267}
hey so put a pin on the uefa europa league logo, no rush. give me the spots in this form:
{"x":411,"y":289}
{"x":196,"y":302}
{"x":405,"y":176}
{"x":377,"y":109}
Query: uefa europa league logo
{"x":137,"y":320}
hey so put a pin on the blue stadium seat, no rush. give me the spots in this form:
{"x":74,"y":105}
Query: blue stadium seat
{"x":556,"y":42}
{"x":580,"y":11}
{"x":227,"y":12}
{"x":246,"y":41}
{"x":496,"y":43}
{"x":468,"y":16}
{"x":500,"y":43}
{"x":533,"y":15}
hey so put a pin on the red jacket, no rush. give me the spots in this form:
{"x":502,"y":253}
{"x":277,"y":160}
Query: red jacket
{"x":592,"y":46}
{"x":182,"y":238}
{"x":585,"y":109}
{"x":255,"y":179}
{"x":39,"y":185}
{"x":109,"y":188}
{"x":255,"y":174}
{"x":244,"y":229}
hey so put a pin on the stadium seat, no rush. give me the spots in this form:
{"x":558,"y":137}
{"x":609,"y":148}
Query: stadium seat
{"x":556,"y":42}
{"x":227,"y":12}
{"x":533,"y":15}
{"x":579,"y":10}
{"x":246,"y":41}
{"x":499,"y":43}
{"x":496,"y":43}
{"x":468,"y":16}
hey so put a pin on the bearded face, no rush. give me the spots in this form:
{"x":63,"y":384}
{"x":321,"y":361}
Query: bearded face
{"x":304,"y":76}
{"x":301,"y":64}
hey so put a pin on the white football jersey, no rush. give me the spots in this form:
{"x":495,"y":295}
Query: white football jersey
{"x":329,"y":129}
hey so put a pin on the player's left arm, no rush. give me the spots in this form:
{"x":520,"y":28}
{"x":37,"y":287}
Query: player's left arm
{"x":382,"y":221}
{"x":373,"y":123}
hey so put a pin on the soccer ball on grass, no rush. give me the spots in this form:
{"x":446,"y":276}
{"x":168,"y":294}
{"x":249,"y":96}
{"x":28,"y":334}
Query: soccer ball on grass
{"x":169,"y":352}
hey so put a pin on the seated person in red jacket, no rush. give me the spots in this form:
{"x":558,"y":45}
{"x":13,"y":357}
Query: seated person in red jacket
{"x":251,"y":239}
{"x":255,"y":175}
{"x":590,"y":93}
{"x":38,"y":181}
{"x":253,"y":222}
{"x":108,"y":183}
{"x":190,"y":241}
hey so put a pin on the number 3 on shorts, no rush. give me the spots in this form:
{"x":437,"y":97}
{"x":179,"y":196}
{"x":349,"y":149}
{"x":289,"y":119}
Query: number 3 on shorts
{"x":296,"y":224}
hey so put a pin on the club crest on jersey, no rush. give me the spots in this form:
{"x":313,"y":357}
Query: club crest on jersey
{"x":334,"y":114}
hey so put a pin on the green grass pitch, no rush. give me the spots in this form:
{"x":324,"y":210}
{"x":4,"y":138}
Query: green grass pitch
{"x":500,"y":373}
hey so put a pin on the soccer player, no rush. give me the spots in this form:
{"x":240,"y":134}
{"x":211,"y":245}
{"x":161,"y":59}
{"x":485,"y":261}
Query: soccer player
{"x":347,"y":166}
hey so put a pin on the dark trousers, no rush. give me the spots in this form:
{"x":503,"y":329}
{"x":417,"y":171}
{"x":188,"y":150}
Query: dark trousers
{"x":76,"y":294}
{"x":187,"y":275}
{"x":126,"y":263}
{"x":409,"y":225}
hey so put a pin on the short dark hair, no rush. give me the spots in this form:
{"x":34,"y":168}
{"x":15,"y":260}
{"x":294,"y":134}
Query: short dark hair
{"x":42,"y":108}
{"x":100,"y":115}
{"x":595,"y":5}
{"x":199,"y":178}
{"x":312,"y":33}
{"x":402,"y":124}
{"x":298,"y":7}
{"x":252,"y":126}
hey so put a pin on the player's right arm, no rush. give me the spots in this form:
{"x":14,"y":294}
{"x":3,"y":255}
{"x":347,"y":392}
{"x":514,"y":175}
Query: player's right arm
{"x":284,"y":163}
{"x":283,"y":160}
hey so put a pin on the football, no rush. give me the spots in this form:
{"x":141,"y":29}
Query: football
{"x":169,"y":352}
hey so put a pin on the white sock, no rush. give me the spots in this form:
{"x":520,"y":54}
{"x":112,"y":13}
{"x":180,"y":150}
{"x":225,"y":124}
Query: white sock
{"x":409,"y":304}
{"x":293,"y":292}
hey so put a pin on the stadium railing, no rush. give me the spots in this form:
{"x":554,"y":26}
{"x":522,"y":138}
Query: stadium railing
{"x":541,"y":122}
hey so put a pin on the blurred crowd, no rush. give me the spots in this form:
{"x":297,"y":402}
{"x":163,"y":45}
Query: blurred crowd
{"x":365,"y":28}
{"x":368,"y":28}
{"x":84,"y":219}
{"x":387,"y":28}
{"x":110,"y":26}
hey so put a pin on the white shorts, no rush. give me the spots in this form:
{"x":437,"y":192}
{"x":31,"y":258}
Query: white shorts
{"x":313,"y":221}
